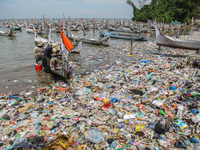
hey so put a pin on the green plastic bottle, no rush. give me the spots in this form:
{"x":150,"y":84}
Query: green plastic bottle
{"x":162,"y":112}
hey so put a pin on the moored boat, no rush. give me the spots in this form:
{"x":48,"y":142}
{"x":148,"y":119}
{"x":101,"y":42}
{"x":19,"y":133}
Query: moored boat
{"x":142,"y":38}
{"x":8,"y":33}
{"x":28,"y":30}
{"x":104,"y":41}
{"x":125,"y":37}
{"x":55,"y":30}
{"x":120,"y":29}
{"x":59,"y":63}
{"x":167,"y":41}
{"x":15,"y":27}
{"x":39,"y":38}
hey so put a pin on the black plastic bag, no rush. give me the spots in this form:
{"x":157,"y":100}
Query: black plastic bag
{"x":161,"y":127}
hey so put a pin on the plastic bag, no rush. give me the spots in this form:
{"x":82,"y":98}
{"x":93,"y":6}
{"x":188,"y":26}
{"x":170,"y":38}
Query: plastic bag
{"x":161,"y":128}
{"x":95,"y":136}
{"x":196,"y":118}
{"x":3,"y":113}
{"x":20,"y":142}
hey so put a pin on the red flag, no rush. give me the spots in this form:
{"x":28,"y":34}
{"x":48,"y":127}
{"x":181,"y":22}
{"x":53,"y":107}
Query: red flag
{"x":66,"y":41}
{"x":4,"y":23}
{"x":114,"y":19}
{"x":81,"y":18}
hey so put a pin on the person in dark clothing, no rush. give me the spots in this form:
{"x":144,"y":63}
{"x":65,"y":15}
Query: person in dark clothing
{"x":48,"y":51}
{"x":47,"y":57}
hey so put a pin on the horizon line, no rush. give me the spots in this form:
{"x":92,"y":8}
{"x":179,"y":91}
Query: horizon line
{"x":67,"y":18}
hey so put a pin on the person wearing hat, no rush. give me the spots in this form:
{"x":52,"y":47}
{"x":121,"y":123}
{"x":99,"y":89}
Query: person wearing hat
{"x":38,"y":52}
{"x":47,"y":57}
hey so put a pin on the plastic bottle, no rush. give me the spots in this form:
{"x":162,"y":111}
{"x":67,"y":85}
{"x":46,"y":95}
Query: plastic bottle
{"x":162,"y":112}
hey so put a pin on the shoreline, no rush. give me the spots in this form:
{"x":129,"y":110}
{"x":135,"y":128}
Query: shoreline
{"x":120,"y":102}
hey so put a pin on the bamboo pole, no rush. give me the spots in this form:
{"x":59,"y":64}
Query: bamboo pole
{"x":159,"y":48}
{"x":93,"y":25}
{"x":132,"y":40}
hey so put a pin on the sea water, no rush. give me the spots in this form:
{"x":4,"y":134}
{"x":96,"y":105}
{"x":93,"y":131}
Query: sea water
{"x":17,"y":62}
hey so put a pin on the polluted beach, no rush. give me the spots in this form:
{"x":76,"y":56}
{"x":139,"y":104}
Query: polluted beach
{"x":90,"y":81}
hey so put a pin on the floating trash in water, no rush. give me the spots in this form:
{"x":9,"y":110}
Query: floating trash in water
{"x":116,"y":101}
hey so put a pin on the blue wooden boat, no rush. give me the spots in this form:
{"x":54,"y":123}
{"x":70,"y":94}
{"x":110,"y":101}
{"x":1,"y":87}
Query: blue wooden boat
{"x":123,"y":36}
{"x":15,"y":27}
{"x":141,"y":38}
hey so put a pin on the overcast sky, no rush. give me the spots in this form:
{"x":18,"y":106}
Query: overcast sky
{"x":27,"y":9}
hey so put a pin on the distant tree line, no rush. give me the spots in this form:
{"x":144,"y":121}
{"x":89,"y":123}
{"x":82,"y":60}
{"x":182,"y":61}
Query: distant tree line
{"x":166,"y":10}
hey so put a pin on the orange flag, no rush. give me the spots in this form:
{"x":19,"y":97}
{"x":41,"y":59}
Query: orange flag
{"x":66,"y":41}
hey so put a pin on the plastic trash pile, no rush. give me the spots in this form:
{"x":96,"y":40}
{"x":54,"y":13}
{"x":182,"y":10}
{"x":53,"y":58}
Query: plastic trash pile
{"x":146,"y":101}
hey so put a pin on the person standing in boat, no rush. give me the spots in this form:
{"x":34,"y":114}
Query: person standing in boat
{"x":47,"y":57}
{"x":38,"y":52}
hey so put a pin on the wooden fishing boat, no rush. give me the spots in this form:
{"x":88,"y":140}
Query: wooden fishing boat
{"x":75,"y":27}
{"x":8,"y":33}
{"x":167,"y":41}
{"x":144,"y":30}
{"x":127,"y":30}
{"x":77,"y":47}
{"x":120,"y":29}
{"x":15,"y":27}
{"x":28,"y":30}
{"x":86,"y":27}
{"x":7,"y":25}
{"x":55,"y":30}
{"x":59,"y":64}
{"x":142,"y":38}
{"x":104,"y":41}
{"x":125,"y":37}
{"x":39,"y":38}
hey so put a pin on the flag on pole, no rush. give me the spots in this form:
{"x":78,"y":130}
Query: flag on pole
{"x":65,"y":43}
{"x":68,"y":45}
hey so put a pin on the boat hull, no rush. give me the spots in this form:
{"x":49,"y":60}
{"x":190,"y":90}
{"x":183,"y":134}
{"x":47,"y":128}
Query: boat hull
{"x":177,"y":46}
{"x":16,"y":27}
{"x":120,"y":37}
{"x":126,"y":37}
{"x":91,"y":41}
{"x":38,"y":38}
{"x":167,"y":41}
{"x":5,"y":34}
